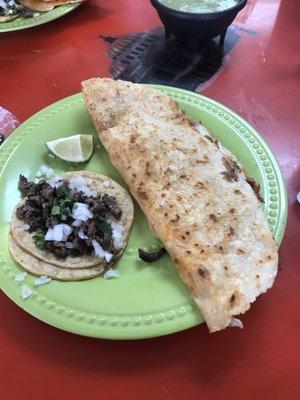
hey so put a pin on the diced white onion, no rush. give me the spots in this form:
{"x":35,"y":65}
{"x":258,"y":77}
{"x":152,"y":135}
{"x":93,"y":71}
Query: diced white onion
{"x":45,"y":171}
{"x":81,"y":211}
{"x":78,"y":183}
{"x":26,"y":227}
{"x":26,"y":291}
{"x":77,"y":222}
{"x":42,"y":280}
{"x":20,"y":277}
{"x":236,"y":323}
{"x":59,"y":233}
{"x":111,"y":273}
{"x":82,"y":235}
{"x":56,"y":181}
{"x":106,"y":184}
{"x":117,"y":234}
{"x":99,"y":252}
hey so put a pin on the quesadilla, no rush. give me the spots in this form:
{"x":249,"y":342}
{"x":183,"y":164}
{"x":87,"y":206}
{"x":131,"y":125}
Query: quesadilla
{"x":194,"y":194}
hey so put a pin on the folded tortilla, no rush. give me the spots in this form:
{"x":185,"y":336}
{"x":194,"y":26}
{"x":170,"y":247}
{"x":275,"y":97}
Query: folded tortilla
{"x":195,"y":196}
{"x":39,"y":267}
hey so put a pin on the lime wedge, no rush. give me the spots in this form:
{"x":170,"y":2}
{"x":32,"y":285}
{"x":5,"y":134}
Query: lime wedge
{"x":76,"y":148}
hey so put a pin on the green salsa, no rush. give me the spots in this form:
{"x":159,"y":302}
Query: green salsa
{"x":199,"y":6}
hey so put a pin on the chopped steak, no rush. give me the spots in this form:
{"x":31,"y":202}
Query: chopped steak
{"x":46,"y":207}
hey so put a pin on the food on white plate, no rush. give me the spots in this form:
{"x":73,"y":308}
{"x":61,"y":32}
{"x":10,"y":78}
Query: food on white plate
{"x":195,"y":195}
{"x":70,"y":222}
{"x":76,"y":148}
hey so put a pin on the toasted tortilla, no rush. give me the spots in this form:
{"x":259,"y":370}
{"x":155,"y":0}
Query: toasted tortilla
{"x":38,"y":267}
{"x":25,"y":240}
{"x":7,"y":18}
{"x":45,"y":5}
{"x":195,"y":197}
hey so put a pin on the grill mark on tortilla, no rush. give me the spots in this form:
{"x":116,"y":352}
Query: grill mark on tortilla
{"x":212,"y":140}
{"x":203,"y":272}
{"x":213,"y":217}
{"x":255,"y":187}
{"x":232,"y":169}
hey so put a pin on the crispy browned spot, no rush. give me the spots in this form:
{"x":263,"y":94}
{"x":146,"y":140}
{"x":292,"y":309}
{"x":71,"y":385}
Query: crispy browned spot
{"x":255,"y":187}
{"x":163,"y":195}
{"x":176,"y":260}
{"x":232,"y":169}
{"x":178,"y":198}
{"x":231,"y":231}
{"x":221,"y":248}
{"x":226,"y":268}
{"x":196,"y":244}
{"x":232,"y":211}
{"x":182,"y":176}
{"x":142,"y":194}
{"x":237,"y":191}
{"x":269,"y":257}
{"x":167,"y":171}
{"x":177,"y":218}
{"x":232,"y":298}
{"x":240,"y":251}
{"x":183,"y":237}
{"x":133,"y":138}
{"x":200,"y":185}
{"x":188,"y":252}
{"x":187,"y":232}
{"x":202,"y":251}
{"x":167,"y":185}
{"x":203,"y":272}
{"x":214,"y":141}
{"x":204,"y":160}
{"x":147,"y":169}
{"x":257,"y":276}
{"x":166,"y":214}
{"x":192,"y":124}
{"x":209,"y":138}
{"x":213,"y":217}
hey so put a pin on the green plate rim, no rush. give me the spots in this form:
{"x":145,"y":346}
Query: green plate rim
{"x":25,"y":23}
{"x":166,"y":321}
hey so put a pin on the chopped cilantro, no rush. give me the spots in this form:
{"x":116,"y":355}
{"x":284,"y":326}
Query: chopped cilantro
{"x":55,"y":210}
{"x":103,"y":226}
{"x":39,"y":239}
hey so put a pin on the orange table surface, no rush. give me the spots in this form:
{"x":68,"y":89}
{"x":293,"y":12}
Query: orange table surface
{"x":41,"y":65}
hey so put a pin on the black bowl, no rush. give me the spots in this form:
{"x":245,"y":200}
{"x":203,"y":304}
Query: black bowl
{"x":193,"y":30}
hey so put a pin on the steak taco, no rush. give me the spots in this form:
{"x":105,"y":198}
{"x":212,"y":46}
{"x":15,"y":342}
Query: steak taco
{"x":78,"y":220}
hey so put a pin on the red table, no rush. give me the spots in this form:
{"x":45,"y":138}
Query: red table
{"x":44,"y":64}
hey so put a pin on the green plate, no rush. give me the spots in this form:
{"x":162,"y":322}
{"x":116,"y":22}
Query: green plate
{"x":23,"y":23}
{"x":147,"y":300}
